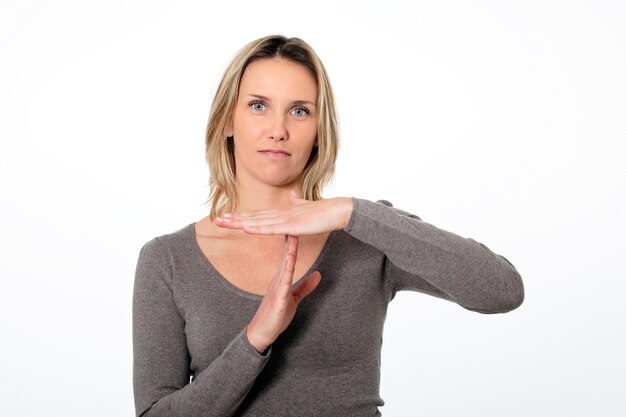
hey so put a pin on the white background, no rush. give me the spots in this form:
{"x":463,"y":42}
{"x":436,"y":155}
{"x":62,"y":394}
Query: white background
{"x":503,"y":121}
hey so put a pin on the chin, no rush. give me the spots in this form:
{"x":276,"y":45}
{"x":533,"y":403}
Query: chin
{"x":280,"y":182}
{"x":276,"y":176}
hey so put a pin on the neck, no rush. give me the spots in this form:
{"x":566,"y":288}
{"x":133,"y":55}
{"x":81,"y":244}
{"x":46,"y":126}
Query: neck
{"x":253,"y":197}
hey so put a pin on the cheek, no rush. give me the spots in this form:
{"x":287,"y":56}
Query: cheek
{"x":240,"y":126}
{"x":308,"y":132}
{"x":308,"y":141}
{"x":244,"y":122}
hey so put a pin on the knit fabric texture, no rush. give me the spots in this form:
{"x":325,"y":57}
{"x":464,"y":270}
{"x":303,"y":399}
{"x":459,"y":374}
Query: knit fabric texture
{"x":191,"y":355}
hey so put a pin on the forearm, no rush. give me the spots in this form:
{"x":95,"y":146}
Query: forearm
{"x":464,"y":269}
{"x":161,"y":359}
{"x":217,"y":391}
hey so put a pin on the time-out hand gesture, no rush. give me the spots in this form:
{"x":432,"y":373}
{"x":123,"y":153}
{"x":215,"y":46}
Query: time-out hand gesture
{"x":279,"y":303}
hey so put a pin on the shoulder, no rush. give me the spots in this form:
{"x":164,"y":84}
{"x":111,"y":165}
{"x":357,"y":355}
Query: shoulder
{"x":158,"y":257}
{"x":168,"y":244}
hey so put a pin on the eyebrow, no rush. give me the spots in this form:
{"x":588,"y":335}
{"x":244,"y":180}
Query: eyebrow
{"x":294,"y":102}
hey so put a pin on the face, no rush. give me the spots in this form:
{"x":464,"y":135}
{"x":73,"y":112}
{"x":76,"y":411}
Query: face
{"x":276,"y":110}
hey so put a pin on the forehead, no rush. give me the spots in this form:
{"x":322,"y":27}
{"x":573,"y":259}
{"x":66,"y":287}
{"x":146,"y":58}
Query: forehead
{"x":278,"y":77}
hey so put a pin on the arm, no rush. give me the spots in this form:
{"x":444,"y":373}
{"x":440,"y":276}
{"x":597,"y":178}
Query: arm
{"x":161,"y":359}
{"x":421,"y":257}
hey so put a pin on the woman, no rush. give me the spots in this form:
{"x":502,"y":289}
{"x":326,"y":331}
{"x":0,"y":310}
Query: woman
{"x":277,"y":306}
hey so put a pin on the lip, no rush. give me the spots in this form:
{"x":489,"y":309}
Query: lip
{"x":273,"y":154}
{"x":277,"y":151}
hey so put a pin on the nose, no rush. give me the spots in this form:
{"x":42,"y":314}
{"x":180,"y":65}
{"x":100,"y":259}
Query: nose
{"x":278,"y":128}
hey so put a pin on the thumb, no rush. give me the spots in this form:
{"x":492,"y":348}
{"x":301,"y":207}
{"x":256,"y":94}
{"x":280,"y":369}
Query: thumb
{"x":307,"y":286}
{"x":293,"y":198}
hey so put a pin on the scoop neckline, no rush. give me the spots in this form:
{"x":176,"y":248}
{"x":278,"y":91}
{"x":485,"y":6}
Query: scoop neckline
{"x":224,"y":281}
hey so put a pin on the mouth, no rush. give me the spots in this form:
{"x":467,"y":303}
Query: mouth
{"x":275,"y":151}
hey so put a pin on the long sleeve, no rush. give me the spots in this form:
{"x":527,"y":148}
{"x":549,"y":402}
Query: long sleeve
{"x":161,"y":359}
{"x":422,"y":257}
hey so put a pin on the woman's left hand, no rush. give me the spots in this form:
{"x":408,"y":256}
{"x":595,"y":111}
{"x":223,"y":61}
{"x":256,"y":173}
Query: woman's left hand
{"x":300,"y":217}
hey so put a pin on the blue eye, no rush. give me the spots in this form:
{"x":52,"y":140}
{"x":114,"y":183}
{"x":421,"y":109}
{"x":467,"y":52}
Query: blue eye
{"x":256,"y":105}
{"x":301,"y":111}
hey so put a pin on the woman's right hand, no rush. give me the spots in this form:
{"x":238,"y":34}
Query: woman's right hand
{"x":279,"y":303}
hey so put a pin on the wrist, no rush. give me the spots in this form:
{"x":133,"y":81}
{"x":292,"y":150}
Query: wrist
{"x":260,"y":346}
{"x":346,"y":210}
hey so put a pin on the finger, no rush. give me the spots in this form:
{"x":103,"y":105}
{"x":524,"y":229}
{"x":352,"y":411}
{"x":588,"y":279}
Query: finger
{"x":290,"y":262}
{"x":265,"y":221}
{"x":280,"y":274}
{"x":242,"y":214}
{"x":250,"y":216}
{"x":307,"y":286}
{"x":282,"y":284}
{"x":273,"y":229}
{"x":260,"y":214}
{"x":270,"y":225}
{"x":283,"y":260}
{"x":293,"y":244}
{"x":294,"y":199}
{"x":265,"y":214}
{"x":236,"y":225}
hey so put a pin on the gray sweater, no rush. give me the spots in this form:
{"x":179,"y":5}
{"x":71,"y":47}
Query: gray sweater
{"x":190,"y":322}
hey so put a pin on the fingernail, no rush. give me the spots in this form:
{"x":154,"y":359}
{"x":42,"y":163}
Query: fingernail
{"x":227,"y":215}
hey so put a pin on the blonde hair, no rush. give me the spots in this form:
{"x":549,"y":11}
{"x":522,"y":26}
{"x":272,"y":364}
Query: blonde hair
{"x":320,"y":167}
